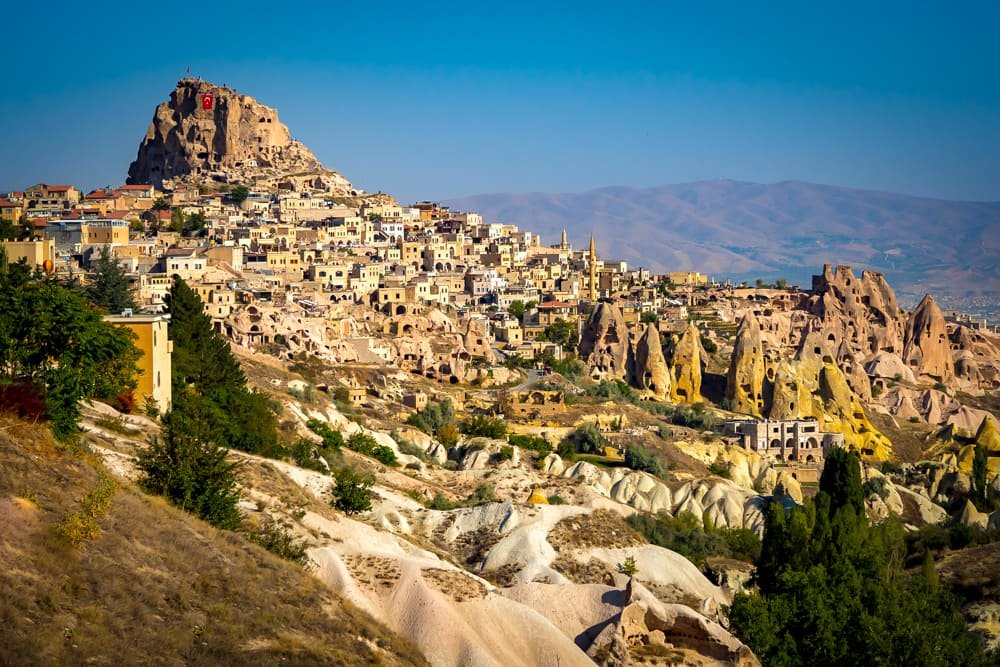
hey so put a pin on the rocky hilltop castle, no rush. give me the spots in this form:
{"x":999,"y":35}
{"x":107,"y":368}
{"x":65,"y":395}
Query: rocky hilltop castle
{"x":210,"y":134}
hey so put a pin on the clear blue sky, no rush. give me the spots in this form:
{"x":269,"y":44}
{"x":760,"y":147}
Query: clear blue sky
{"x":451,"y":99}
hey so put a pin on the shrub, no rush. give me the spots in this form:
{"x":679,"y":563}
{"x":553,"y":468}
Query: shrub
{"x":332,"y":439}
{"x":365,"y":443}
{"x":535,"y":443}
{"x":352,"y":491}
{"x":305,"y":455}
{"x":484,"y":427}
{"x":506,"y":453}
{"x":709,"y":345}
{"x":194,"y":475}
{"x":719,"y":470}
{"x":692,"y":538}
{"x":638,"y":457}
{"x":277,"y":539}
{"x":482,"y":494}
{"x":628,"y":568}
{"x":586,"y":439}
{"x":663,"y":432}
{"x":878,"y":486}
{"x":556,"y":499}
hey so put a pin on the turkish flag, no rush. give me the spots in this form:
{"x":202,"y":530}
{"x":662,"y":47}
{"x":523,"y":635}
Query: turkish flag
{"x":206,"y":102}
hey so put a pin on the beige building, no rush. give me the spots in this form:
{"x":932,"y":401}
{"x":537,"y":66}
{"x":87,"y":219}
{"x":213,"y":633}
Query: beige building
{"x":154,"y":364}
{"x":34,"y":253}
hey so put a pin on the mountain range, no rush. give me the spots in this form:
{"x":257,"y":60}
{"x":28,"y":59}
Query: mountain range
{"x":742,"y":230}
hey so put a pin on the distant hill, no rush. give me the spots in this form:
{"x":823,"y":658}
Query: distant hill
{"x":790,"y":229}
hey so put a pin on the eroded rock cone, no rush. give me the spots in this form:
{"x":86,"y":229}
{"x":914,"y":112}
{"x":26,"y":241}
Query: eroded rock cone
{"x":649,"y":368}
{"x":927,"y":349}
{"x":604,"y":342}
{"x":745,"y":380}
{"x":685,"y":368}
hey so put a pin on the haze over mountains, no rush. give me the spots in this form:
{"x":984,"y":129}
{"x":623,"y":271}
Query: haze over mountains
{"x":790,"y":229}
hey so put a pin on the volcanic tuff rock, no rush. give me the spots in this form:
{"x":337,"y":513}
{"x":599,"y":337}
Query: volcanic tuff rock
{"x":927,"y":350}
{"x":861,"y":312}
{"x":685,"y":367}
{"x":745,"y":380}
{"x":211,"y":134}
{"x":649,"y":368}
{"x":604,"y":342}
{"x":811,"y":385}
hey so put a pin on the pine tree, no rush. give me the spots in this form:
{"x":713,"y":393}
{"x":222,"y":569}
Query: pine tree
{"x":210,"y":382}
{"x":192,"y":473}
{"x":202,"y":357}
{"x":109,"y":288}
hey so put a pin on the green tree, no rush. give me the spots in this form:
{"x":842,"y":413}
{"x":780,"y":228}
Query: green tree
{"x":239,"y":194}
{"x":831,"y":591}
{"x":177,"y":221}
{"x":484,"y":426}
{"x":109,"y":288}
{"x":210,"y":382}
{"x":160,"y":204}
{"x":192,"y":473}
{"x":352,"y":491}
{"x":980,"y":467}
{"x":517,"y":308}
{"x":53,"y":339}
{"x":562,"y":332}
{"x":650,"y":318}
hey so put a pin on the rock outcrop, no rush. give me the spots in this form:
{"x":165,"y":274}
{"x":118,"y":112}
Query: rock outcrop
{"x":604,"y":343}
{"x":812,"y":385}
{"x":861,"y":312}
{"x":745,"y":380}
{"x":209,"y":134}
{"x":649,"y":368}
{"x":685,"y":367}
{"x":927,"y":351}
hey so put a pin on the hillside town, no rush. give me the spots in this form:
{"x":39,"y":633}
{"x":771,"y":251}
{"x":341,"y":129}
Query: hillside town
{"x":520,"y":405}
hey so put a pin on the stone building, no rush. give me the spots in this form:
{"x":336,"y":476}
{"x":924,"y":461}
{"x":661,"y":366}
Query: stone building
{"x":786,"y":440}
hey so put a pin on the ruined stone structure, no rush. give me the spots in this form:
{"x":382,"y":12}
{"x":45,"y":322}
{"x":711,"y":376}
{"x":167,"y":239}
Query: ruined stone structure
{"x":209,"y":134}
{"x":533,"y":404}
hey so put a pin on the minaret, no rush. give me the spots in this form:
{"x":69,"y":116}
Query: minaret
{"x":564,"y":245}
{"x":593,"y":270}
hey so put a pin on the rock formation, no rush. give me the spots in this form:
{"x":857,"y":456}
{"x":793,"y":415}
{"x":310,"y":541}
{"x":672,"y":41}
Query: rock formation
{"x":745,"y":380}
{"x":927,"y":350}
{"x":861,"y":312}
{"x":604,"y":343}
{"x":649,"y":368}
{"x":209,"y":134}
{"x":811,"y":385}
{"x":685,"y":368}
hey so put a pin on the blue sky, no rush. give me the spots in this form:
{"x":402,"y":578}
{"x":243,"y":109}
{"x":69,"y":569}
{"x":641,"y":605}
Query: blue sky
{"x":436,"y":100}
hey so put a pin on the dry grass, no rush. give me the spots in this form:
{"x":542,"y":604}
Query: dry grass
{"x":601,"y":528}
{"x":156,"y":586}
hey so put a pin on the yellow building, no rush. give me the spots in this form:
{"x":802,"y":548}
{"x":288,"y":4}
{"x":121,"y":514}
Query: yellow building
{"x":154,"y":364}
{"x":11,"y":211}
{"x":35,"y":253}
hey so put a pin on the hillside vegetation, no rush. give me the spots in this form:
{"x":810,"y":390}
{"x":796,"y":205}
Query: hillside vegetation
{"x":154,"y":584}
